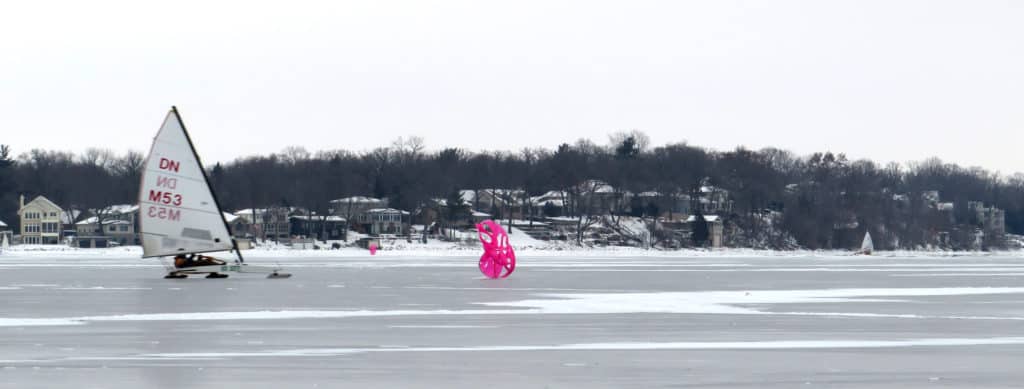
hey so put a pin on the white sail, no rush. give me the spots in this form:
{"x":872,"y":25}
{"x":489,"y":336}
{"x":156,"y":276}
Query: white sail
{"x":867,"y":246}
{"x":177,"y":210}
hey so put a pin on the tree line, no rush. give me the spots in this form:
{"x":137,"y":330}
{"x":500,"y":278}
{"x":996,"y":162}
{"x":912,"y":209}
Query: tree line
{"x":779,"y":199}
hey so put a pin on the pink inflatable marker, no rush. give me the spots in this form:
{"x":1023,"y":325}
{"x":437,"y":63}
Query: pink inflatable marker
{"x":373,"y":249}
{"x":499,"y":259}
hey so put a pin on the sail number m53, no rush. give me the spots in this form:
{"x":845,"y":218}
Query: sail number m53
{"x":162,"y":197}
{"x":163,"y":213}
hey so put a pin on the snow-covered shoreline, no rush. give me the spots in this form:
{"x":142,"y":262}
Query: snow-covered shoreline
{"x":437,"y":250}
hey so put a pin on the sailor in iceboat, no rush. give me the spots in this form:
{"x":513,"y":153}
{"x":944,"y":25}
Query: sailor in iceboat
{"x":182,"y":261}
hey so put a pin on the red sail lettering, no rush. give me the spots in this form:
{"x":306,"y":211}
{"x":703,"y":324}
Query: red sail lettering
{"x":164,"y":213}
{"x":164,"y":197}
{"x":167,"y":164}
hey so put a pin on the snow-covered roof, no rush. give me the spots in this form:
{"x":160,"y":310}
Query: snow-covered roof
{"x":260,"y":211}
{"x":711,"y":189}
{"x":386,"y":210}
{"x":649,"y":193}
{"x":444,"y":202}
{"x":709,"y":218}
{"x":2,"y":224}
{"x":562,"y":218}
{"x":552,"y":194}
{"x":554,"y":197}
{"x":94,"y":219}
{"x":358,"y":200}
{"x":229,"y":217}
{"x":318,"y":218}
{"x":481,"y":214}
{"x":596,"y":186}
{"x":120,"y":209}
{"x":945,"y":206}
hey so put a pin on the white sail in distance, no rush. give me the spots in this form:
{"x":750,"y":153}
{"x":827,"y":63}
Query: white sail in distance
{"x":178,"y":213}
{"x":867,"y":246}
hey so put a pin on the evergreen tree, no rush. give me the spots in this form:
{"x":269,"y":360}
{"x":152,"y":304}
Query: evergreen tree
{"x":700,"y":231}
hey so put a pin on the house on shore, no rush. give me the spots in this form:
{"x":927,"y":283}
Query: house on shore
{"x":41,"y":221}
{"x":387,"y":221}
{"x":324,"y":228}
{"x":350,"y":207}
{"x":267,"y":223}
{"x":116,"y":224}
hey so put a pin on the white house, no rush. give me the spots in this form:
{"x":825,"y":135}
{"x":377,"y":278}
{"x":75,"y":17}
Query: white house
{"x":384,"y":221}
{"x":40,"y":221}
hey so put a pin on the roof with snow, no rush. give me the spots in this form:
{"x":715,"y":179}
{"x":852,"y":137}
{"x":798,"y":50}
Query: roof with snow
{"x":444,"y":202}
{"x":358,"y":200}
{"x":230,"y":217}
{"x":2,"y":224}
{"x":554,"y":197}
{"x":318,"y":218}
{"x":596,"y":186}
{"x":94,"y":219}
{"x":248,"y":211}
{"x":386,"y":210}
{"x":120,"y":209}
{"x":481,"y":214}
{"x":709,"y":218}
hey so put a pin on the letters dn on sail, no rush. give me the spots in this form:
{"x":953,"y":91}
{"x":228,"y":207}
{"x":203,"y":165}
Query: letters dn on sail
{"x":166,"y":164}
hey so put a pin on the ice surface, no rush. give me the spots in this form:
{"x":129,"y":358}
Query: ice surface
{"x":722,"y":302}
{"x":406,"y":320}
{"x":624,"y":346}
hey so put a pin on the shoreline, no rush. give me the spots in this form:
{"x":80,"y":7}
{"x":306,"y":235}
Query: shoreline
{"x":456,"y":250}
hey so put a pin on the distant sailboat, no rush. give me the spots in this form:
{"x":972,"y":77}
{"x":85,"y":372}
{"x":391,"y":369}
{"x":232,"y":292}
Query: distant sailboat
{"x":867,"y":247}
{"x":179,"y":215}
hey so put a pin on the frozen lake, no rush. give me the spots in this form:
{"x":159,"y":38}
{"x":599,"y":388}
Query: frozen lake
{"x":561,"y":321}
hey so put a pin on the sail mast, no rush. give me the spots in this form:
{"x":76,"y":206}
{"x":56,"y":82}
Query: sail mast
{"x":213,"y":193}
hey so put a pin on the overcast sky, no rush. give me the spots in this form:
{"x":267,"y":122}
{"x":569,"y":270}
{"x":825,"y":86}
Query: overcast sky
{"x":885,"y":80}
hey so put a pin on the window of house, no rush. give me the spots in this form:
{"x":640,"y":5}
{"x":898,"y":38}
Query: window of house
{"x":50,"y":227}
{"x":111,"y":228}
{"x":124,"y":228}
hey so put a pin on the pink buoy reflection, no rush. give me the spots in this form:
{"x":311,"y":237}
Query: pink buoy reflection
{"x":499,"y":259}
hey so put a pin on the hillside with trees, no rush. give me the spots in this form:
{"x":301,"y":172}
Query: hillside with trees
{"x":776,"y":199}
